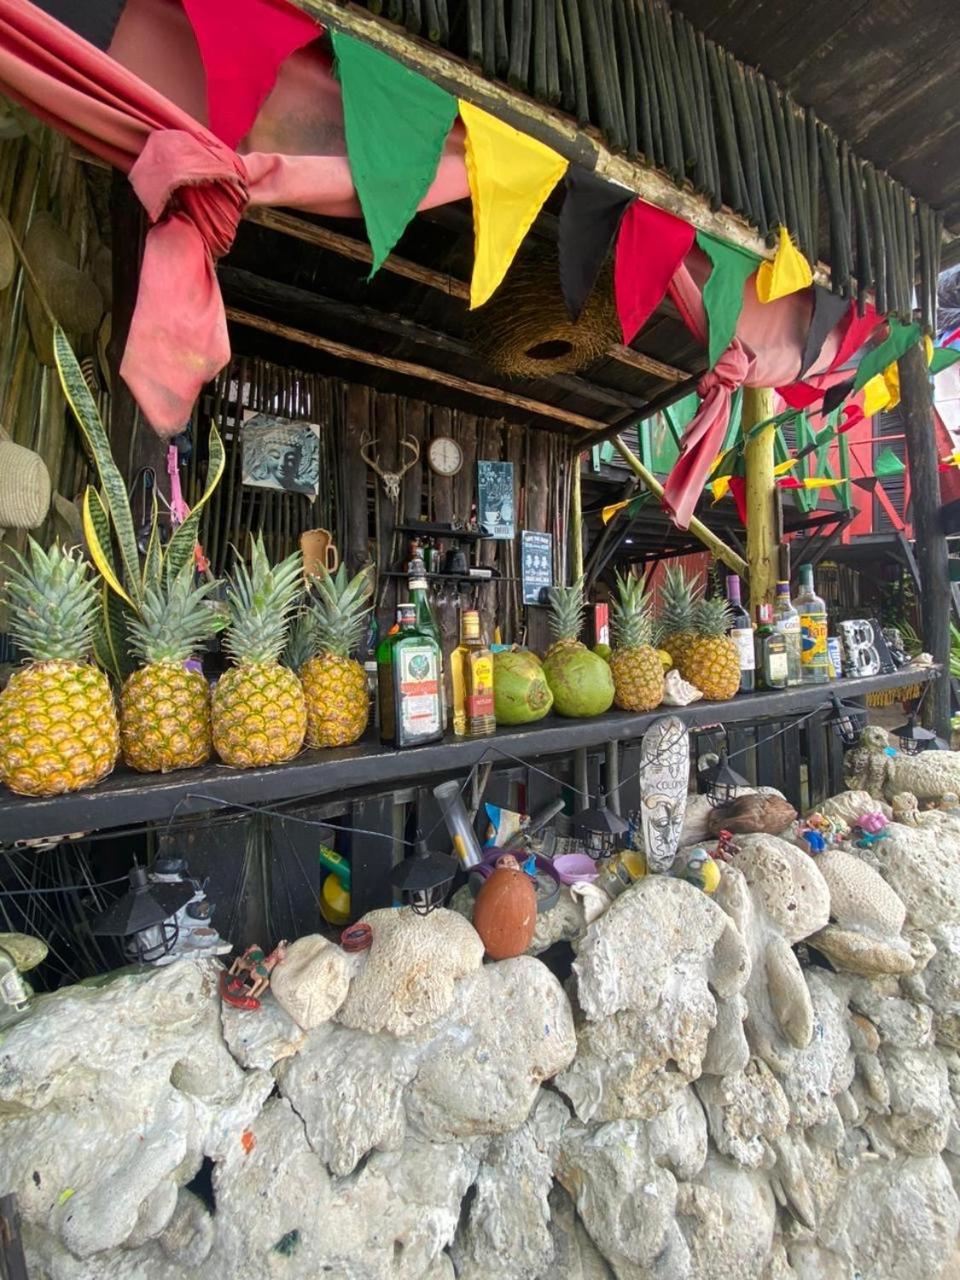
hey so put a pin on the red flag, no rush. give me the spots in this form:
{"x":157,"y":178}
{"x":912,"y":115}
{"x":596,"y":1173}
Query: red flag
{"x":242,"y":45}
{"x":858,"y":330}
{"x":800,"y":395}
{"x":650,"y":247}
{"x":738,"y":487}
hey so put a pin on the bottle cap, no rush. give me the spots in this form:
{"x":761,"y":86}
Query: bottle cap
{"x":806,"y":573}
{"x":764,"y":614}
{"x":783,"y":588}
{"x":417,"y":574}
{"x":470,"y":623}
{"x":733,"y":587}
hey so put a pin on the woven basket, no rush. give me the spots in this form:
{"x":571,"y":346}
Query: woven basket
{"x":525,"y":330}
{"x":71,"y":294}
{"x":24,"y":487}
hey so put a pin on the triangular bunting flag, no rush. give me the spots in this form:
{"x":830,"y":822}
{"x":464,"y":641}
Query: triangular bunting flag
{"x":242,"y":45}
{"x":510,"y":176}
{"x":789,"y":272}
{"x":851,"y":416}
{"x":723,"y":292}
{"x":828,"y":310}
{"x":858,"y":330}
{"x":589,"y":220}
{"x":888,"y":464}
{"x":720,"y":487}
{"x":943,"y":358}
{"x":836,"y":395}
{"x":94,"y":20}
{"x":800,"y":395}
{"x":899,"y":340}
{"x":950,"y":338}
{"x":396,"y":123}
{"x":876,"y":396}
{"x":651,"y":245}
{"x":783,"y":467}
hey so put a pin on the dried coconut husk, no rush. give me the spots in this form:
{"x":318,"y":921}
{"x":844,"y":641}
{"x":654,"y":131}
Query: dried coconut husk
{"x":525,"y":330}
{"x":71,"y":294}
{"x":751,"y":814}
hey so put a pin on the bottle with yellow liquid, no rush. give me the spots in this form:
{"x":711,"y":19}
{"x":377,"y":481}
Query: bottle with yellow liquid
{"x":471,"y":667}
{"x":621,"y":871}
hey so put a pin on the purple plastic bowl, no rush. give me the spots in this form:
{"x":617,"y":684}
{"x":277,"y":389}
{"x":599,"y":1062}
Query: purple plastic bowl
{"x":575,"y":868}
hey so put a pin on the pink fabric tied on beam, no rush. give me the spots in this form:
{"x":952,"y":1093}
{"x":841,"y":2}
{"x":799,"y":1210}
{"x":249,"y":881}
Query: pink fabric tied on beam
{"x":194,"y":190}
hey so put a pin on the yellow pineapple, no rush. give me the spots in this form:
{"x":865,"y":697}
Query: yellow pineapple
{"x":259,"y":711}
{"x":635,"y":664}
{"x":335,"y":685}
{"x":58,"y":722}
{"x":711,"y":660}
{"x":164,"y":706}
{"x":677,"y":593}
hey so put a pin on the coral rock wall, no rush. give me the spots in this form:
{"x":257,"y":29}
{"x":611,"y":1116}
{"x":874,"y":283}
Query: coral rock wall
{"x":707,"y":1100}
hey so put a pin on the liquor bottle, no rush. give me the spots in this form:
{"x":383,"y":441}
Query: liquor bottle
{"x":426,"y":619}
{"x":787,"y":621}
{"x":771,"y":651}
{"x":14,"y":992}
{"x":741,"y":633}
{"x":408,"y":683}
{"x":471,"y":666}
{"x":814,"y":658}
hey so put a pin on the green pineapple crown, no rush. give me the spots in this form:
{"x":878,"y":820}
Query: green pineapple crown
{"x":54,"y":606}
{"x":566,"y":611}
{"x":712,"y":617}
{"x":630,"y":614}
{"x":339,"y":610}
{"x":175,"y":619}
{"x":677,"y":600}
{"x":261,"y":602}
{"x":301,"y":644}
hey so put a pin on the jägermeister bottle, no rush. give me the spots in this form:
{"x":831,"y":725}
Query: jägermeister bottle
{"x":409,"y":684}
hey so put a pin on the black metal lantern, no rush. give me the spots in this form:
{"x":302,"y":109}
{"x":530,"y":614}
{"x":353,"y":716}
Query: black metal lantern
{"x":424,"y":880}
{"x":723,"y":783}
{"x":145,"y":916}
{"x":847,"y":721}
{"x":912,"y":738}
{"x":601,"y":831}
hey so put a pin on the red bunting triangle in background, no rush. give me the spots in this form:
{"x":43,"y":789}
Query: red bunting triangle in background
{"x":738,"y":488}
{"x":858,"y":330}
{"x":242,"y":45}
{"x":650,"y":247}
{"x":589,"y":220}
{"x":852,"y":415}
{"x":800,"y":395}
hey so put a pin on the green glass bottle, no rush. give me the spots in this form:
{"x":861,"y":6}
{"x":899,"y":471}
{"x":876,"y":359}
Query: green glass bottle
{"x":772,"y":668}
{"x":815,"y":665}
{"x":426,"y":620}
{"x":409,"y":684}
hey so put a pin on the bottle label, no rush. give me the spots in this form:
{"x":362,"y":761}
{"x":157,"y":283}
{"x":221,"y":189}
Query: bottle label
{"x":813,"y":628}
{"x":742,"y":637}
{"x":419,"y":692}
{"x":13,"y":990}
{"x":480,"y":701}
{"x":777,"y":669}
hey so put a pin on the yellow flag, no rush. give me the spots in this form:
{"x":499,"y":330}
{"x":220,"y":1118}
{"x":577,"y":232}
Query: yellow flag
{"x":876,"y":395}
{"x":928,"y":347}
{"x":783,"y":467}
{"x":891,"y":378}
{"x":819,"y":482}
{"x":787,"y":273}
{"x":510,"y":176}
{"x":720,"y":487}
{"x":607,"y":514}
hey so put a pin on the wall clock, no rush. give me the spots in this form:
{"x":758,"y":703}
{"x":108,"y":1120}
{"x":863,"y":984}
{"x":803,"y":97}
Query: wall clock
{"x":445,"y":456}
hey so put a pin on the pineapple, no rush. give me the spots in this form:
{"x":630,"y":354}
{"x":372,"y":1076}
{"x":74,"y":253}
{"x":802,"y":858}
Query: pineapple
{"x":335,"y":685}
{"x":677,"y":593}
{"x":164,"y":708}
{"x":259,"y":711}
{"x":711,"y":660}
{"x":580,"y":681}
{"x":58,"y":722}
{"x":566,"y":618}
{"x":636,"y":666}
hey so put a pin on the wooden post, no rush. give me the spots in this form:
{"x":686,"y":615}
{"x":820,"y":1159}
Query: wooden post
{"x":931,"y":545}
{"x":576,"y":573}
{"x":709,"y":539}
{"x":761,"y":493}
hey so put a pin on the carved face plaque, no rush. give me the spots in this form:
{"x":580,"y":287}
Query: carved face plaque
{"x":664,"y":775}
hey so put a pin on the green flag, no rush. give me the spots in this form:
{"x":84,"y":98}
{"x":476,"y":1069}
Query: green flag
{"x":888,"y":464}
{"x":396,"y":123}
{"x":901,"y":338}
{"x":723,"y":292}
{"x":943,"y":358}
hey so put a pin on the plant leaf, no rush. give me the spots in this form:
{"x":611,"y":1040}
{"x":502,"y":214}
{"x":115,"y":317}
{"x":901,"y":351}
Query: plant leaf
{"x":181,"y":545}
{"x":114,"y":488}
{"x":110,"y":646}
{"x":96,"y":529}
{"x":153,"y":560}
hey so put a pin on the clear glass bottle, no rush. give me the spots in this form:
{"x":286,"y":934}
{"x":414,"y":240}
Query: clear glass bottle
{"x":787,"y":621}
{"x":741,"y":633}
{"x":14,"y":992}
{"x":815,"y":662}
{"x":771,"y":651}
{"x":408,"y":683}
{"x":471,"y":668}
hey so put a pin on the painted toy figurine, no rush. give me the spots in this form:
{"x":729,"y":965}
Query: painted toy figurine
{"x":248,"y":977}
{"x":727,"y":848}
{"x":816,"y":843}
{"x":698,"y":868}
{"x":872,"y":827}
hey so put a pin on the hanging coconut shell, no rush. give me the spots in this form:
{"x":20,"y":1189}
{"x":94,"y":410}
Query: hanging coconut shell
{"x":525,"y":330}
{"x":505,"y":913}
{"x":752,"y":813}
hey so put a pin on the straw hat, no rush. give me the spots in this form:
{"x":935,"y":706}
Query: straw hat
{"x":70,"y":293}
{"x":24,"y":486}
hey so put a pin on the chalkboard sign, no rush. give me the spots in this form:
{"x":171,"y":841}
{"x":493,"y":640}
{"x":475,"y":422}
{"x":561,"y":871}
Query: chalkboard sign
{"x":495,"y":499}
{"x":537,"y":566}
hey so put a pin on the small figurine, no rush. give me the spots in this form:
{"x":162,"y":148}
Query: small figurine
{"x":872,"y":827}
{"x":829,"y":831}
{"x":949,"y":802}
{"x":698,"y":868}
{"x":906,"y":808}
{"x":727,"y":848}
{"x":248,"y":977}
{"x":815,"y":840}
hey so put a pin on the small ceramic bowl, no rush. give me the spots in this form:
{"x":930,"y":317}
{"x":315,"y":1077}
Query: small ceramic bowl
{"x":574,"y":868}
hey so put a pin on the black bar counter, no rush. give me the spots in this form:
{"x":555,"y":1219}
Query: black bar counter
{"x":127,"y":798}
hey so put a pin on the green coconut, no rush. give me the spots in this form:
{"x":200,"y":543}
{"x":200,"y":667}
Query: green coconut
{"x":521,"y":694}
{"x":580,"y":681}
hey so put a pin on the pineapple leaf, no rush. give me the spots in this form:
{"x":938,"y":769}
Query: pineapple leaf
{"x":110,"y":645}
{"x":116,"y":499}
{"x":181,"y":545}
{"x":96,"y":529}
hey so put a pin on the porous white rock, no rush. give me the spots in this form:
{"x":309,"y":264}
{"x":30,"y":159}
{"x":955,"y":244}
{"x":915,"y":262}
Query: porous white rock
{"x":410,"y":971}
{"x":575,"y":1256}
{"x":923,"y":869}
{"x":728,"y":1216}
{"x":311,"y":981}
{"x":940,"y":984}
{"x":261,"y":1037}
{"x":745,"y":1113}
{"x":824,"y":1067}
{"x":928,"y":776}
{"x":921,"y":1106}
{"x":849,"y":806}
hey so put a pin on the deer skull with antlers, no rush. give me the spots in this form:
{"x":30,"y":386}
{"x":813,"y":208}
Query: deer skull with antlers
{"x":391,"y":479}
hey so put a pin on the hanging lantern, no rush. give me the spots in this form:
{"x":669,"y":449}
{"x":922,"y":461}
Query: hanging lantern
{"x":847,"y":721}
{"x":912,"y":738}
{"x":423,"y":880}
{"x":145,"y":917}
{"x":723,"y":783}
{"x":601,"y":831}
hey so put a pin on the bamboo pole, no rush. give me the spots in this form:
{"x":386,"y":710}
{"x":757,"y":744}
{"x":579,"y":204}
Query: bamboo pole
{"x":762,"y":554}
{"x":576,"y":519}
{"x":709,"y":539}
